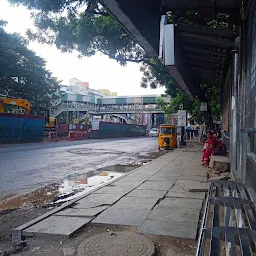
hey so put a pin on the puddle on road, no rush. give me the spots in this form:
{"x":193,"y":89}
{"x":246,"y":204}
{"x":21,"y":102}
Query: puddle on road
{"x":71,"y":187}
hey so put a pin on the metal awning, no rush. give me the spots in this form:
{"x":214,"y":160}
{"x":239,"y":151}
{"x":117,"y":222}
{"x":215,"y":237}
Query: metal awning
{"x":204,"y":52}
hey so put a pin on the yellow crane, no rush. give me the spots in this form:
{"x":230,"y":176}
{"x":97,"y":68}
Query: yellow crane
{"x":23,"y":103}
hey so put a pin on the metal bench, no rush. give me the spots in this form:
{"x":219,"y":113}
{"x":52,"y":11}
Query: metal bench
{"x":229,"y":221}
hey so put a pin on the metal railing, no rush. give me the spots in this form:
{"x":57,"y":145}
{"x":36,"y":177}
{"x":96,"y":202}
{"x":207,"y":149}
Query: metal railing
{"x":229,"y":221}
{"x":101,"y":109}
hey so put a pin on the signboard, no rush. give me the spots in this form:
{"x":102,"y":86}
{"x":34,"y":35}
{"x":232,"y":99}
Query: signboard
{"x":182,"y":117}
{"x":161,"y":41}
{"x":168,"y":47}
{"x":166,"y":42}
{"x":95,"y":125}
{"x":203,"y":106}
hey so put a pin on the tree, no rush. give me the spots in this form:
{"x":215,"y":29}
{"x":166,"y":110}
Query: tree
{"x":174,"y":105}
{"x":213,"y":98}
{"x":85,"y":26}
{"x":81,"y":25}
{"x":196,"y":115}
{"x":23,"y":74}
{"x":155,"y":74}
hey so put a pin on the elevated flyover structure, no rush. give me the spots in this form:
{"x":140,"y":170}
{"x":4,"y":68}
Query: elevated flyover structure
{"x":128,"y":109}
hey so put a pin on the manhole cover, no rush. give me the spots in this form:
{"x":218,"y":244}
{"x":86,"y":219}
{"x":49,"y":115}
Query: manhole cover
{"x":121,"y":244}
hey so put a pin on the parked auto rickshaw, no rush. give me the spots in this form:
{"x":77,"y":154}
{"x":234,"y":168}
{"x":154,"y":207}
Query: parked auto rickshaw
{"x":167,"y":136}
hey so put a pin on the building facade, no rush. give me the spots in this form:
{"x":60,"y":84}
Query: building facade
{"x":80,"y":103}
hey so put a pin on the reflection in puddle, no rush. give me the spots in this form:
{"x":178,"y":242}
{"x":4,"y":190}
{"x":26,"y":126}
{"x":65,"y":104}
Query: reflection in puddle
{"x":73,"y":187}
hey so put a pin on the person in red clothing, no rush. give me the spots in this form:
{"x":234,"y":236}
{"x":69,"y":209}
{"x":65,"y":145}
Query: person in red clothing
{"x":212,"y":142}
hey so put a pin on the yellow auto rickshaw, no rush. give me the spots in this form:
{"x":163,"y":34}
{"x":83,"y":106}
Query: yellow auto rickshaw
{"x":167,"y":136}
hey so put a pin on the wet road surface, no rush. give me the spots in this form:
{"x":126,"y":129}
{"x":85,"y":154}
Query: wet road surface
{"x":26,"y":167}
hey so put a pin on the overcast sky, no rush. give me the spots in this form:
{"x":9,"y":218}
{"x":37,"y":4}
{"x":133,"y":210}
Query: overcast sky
{"x":99,"y":70}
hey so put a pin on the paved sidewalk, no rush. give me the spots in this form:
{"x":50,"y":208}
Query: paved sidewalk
{"x":164,"y":197}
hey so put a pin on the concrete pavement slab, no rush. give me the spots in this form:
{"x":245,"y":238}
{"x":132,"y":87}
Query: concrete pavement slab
{"x":162,"y":175}
{"x":191,"y":177}
{"x":129,"y":178}
{"x":85,"y":204}
{"x":195,"y":195}
{"x":122,"y":216}
{"x":157,"y":177}
{"x":174,"y":166}
{"x":139,"y":175}
{"x":176,"y":214}
{"x":122,"y":183}
{"x":142,"y":174}
{"x":165,"y":228}
{"x":187,"y":203}
{"x":136,"y":202}
{"x":89,"y":212}
{"x":177,"y":188}
{"x":57,"y":225}
{"x":159,"y":185}
{"x":147,"y":193}
{"x":193,"y":186}
{"x":114,"y":190}
{"x":100,"y":198}
{"x":176,"y":172}
{"x":194,"y":172}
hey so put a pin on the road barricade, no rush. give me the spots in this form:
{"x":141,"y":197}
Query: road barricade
{"x":80,"y":135}
{"x":53,"y":136}
{"x":72,"y":135}
{"x":76,"y":135}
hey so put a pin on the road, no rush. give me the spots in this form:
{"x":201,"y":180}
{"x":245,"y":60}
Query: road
{"x":26,"y":167}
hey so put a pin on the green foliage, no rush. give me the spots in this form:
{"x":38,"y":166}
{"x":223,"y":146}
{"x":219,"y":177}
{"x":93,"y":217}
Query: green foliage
{"x":213,"y":97}
{"x":220,"y":20}
{"x":84,"y":26}
{"x":155,"y":74}
{"x":160,"y":102}
{"x":174,"y":105}
{"x":23,"y":74}
{"x":196,"y":114}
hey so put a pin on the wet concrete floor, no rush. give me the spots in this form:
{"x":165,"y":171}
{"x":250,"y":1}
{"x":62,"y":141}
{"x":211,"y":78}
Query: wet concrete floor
{"x":25,"y":168}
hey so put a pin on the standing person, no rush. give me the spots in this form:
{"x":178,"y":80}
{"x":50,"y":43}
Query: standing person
{"x":212,"y":142}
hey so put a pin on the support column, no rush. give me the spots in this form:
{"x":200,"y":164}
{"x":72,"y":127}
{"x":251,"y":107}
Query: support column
{"x":67,"y":119}
{"x":153,"y":120}
{"x":234,"y":111}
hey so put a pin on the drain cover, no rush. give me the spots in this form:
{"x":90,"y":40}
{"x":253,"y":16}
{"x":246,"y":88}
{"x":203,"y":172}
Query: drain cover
{"x":121,"y":244}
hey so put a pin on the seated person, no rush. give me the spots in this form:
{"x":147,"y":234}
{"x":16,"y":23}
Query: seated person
{"x":211,"y":143}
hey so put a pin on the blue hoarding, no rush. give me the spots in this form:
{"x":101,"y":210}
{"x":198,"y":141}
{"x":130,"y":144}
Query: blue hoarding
{"x":115,"y":130}
{"x":21,"y":128}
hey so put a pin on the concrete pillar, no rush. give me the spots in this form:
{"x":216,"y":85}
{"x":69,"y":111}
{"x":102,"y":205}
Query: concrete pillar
{"x":67,"y":119}
{"x":234,"y":112}
{"x":153,"y":120}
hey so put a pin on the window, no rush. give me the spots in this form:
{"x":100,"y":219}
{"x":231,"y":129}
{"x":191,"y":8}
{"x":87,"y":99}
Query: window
{"x":167,"y":130}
